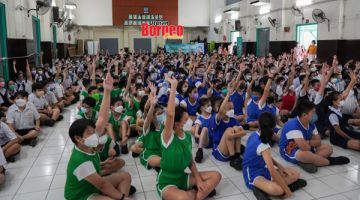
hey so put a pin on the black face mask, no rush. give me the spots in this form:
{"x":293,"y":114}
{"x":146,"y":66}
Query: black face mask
{"x":218,"y":87}
{"x":101,"y":89}
{"x":270,"y":100}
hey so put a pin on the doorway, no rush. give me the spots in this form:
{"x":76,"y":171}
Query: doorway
{"x":305,"y":33}
{"x":4,"y":70}
{"x":54,"y":42}
{"x":143,"y":44}
{"x":37,"y":39}
{"x":262,"y":41}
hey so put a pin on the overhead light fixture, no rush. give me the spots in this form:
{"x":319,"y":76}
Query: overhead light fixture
{"x":70,"y":5}
{"x":232,"y":11}
{"x":53,"y":3}
{"x":234,"y":15}
{"x":264,"y":9}
{"x":218,"y":19}
{"x":260,"y":2}
{"x":300,"y":3}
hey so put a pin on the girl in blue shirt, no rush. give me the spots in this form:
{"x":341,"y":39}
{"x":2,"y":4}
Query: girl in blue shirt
{"x":262,"y":173}
{"x":191,"y":103}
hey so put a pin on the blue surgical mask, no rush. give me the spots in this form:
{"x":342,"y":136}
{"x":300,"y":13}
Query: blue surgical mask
{"x":314,"y":118}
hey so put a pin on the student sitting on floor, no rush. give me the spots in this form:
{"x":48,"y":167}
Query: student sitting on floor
{"x":48,"y":115}
{"x":262,"y":173}
{"x":2,"y":168}
{"x":300,"y":142}
{"x":87,"y":110}
{"x":23,"y":119}
{"x":84,"y":180}
{"x":8,"y":141}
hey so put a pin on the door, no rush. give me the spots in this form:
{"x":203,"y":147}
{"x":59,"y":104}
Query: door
{"x":37,"y":39}
{"x":54,"y":49}
{"x":110,"y":44}
{"x":142,"y":43}
{"x":4,"y":70}
{"x":262,"y":41}
{"x":305,"y":33}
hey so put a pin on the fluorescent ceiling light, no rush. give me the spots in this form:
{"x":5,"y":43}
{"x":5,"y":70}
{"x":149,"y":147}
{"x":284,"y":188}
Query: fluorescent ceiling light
{"x":218,"y":18}
{"x":260,"y":2}
{"x":264,"y":9}
{"x":53,"y":3}
{"x":70,"y":5}
{"x":300,"y":3}
{"x":234,"y":15}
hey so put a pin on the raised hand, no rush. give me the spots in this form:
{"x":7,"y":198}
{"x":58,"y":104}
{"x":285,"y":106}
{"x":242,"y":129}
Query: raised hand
{"x":152,"y":88}
{"x":171,"y":80}
{"x":108,"y":82}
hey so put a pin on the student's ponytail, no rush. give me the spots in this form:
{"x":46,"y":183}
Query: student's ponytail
{"x":267,"y":125}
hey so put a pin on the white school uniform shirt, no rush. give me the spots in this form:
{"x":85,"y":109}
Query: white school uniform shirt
{"x":2,"y":158}
{"x":59,"y":91}
{"x":39,"y":102}
{"x":350,"y":104}
{"x":24,"y":119}
{"x":51,"y":98}
{"x":6,"y":134}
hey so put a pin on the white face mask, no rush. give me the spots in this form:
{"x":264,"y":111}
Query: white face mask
{"x":161,"y":118}
{"x":208,"y":109}
{"x":119,"y":109}
{"x":141,"y":93}
{"x":92,"y":141}
{"x":20,"y":102}
{"x":333,"y":80}
{"x":139,"y":81}
{"x":313,"y":69}
{"x":84,"y":110}
{"x":230,"y":113}
{"x":103,"y":139}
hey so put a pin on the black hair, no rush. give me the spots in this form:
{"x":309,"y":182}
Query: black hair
{"x":190,"y":89}
{"x":203,"y":102}
{"x":78,"y":128}
{"x":114,"y":100}
{"x":21,"y":93}
{"x":37,"y":86}
{"x":91,"y":102}
{"x":143,"y":102}
{"x":314,"y":81}
{"x":333,"y":96}
{"x":179,"y":112}
{"x":267,"y":125}
{"x":304,"y":107}
{"x":92,"y":88}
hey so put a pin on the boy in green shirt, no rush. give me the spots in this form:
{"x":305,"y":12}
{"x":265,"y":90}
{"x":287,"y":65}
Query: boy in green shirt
{"x":87,"y":110}
{"x":84,"y":180}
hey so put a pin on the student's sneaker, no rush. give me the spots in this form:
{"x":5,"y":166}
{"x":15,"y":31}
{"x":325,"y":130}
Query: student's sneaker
{"x":60,"y":118}
{"x":242,"y":148}
{"x":300,"y":183}
{"x":199,"y":155}
{"x":340,"y":160}
{"x":10,"y":159}
{"x":50,"y":122}
{"x":211,"y":194}
{"x":132,"y":190}
{"x":135,"y":155}
{"x":308,"y":167}
{"x":260,"y":195}
{"x":236,"y":164}
{"x":246,"y":126}
{"x":33,"y":142}
{"x":124,"y":149}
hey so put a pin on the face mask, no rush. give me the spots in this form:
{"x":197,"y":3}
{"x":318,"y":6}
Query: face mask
{"x":153,"y":77}
{"x":272,"y":71}
{"x":313,"y":69}
{"x":33,"y":72}
{"x":221,"y":76}
{"x":160,"y":118}
{"x":123,"y":73}
{"x":119,"y":109}
{"x":139,"y":81}
{"x":40,"y":93}
{"x":242,"y":86}
{"x":248,"y":77}
{"x":195,"y":96}
{"x":12,"y":87}
{"x":103,"y":139}
{"x":230,"y":113}
{"x":314,"y":118}
{"x":184,"y":89}
{"x":41,"y":72}
{"x":208,"y":109}
{"x":92,"y":141}
{"x":84,"y":110}
{"x":2,"y":84}
{"x":334,"y":80}
{"x":141,"y":93}
{"x":20,"y":102}
{"x":224,"y":91}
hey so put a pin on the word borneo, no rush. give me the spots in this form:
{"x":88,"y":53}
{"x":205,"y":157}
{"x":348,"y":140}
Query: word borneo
{"x":162,"y":30}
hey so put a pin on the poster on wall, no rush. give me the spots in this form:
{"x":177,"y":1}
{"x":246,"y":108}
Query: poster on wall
{"x":186,"y":48}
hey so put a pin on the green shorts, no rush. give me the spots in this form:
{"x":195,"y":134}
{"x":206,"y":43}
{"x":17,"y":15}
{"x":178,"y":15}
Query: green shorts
{"x":168,"y":179}
{"x":146,"y":154}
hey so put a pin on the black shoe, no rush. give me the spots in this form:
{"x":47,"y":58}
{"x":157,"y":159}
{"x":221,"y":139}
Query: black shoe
{"x":124,"y":149}
{"x":117,"y":149}
{"x":132,"y":190}
{"x":11,"y":159}
{"x":157,"y":169}
{"x":199,"y":155}
{"x":340,"y":160}
{"x":297,"y":185}
{"x":60,"y":118}
{"x":260,"y":195}
{"x":242,"y":148}
{"x":211,"y":194}
{"x":246,"y":126}
{"x":310,"y":168}
{"x":50,"y":122}
{"x":236,"y":164}
{"x":33,"y":142}
{"x":196,"y":140}
{"x":135,"y":155}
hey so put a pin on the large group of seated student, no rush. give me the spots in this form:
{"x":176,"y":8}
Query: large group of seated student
{"x":167,"y":102}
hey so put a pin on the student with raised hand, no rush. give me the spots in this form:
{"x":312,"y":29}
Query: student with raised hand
{"x":300,"y":142}
{"x":262,"y":173}
{"x":84,"y":179}
{"x":238,"y":96}
{"x":227,"y":134}
{"x":151,"y":138}
{"x":172,"y":181}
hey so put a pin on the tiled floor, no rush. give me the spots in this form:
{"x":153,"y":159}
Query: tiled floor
{"x":39,"y":173}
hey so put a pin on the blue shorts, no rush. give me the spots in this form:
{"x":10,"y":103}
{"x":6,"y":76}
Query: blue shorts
{"x":251,"y":174}
{"x":290,"y":157}
{"x":276,"y":130}
{"x":219,"y":156}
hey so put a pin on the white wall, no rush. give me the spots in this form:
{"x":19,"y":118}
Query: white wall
{"x":216,"y":8}
{"x":194,"y":13}
{"x":94,"y":12}
{"x":19,"y":25}
{"x":344,"y":18}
